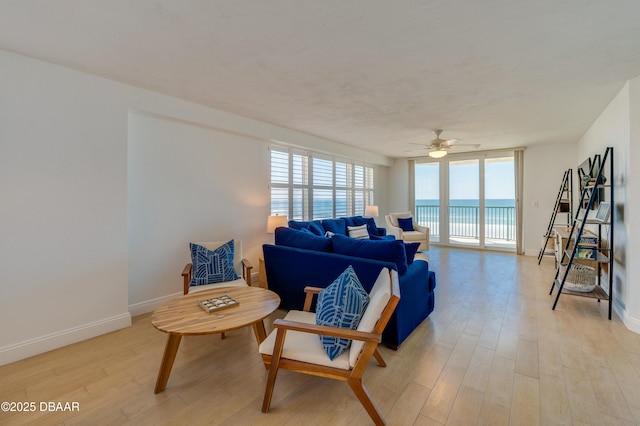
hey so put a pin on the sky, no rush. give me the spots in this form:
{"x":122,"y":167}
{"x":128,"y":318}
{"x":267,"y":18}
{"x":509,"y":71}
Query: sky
{"x":464,"y":179}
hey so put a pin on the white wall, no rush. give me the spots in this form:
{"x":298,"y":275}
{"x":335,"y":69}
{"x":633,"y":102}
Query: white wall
{"x":399,"y":191}
{"x":544,"y":167}
{"x":75,"y":258}
{"x":631,"y":186}
{"x":63,"y":211}
{"x":189,"y":183}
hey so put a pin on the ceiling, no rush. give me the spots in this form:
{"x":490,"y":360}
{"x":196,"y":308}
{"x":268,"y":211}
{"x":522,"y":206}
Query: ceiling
{"x":375,"y":74}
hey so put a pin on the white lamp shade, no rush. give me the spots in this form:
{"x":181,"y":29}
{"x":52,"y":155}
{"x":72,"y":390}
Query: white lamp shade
{"x":274,"y":222}
{"x":371,"y":211}
{"x":438,"y":153}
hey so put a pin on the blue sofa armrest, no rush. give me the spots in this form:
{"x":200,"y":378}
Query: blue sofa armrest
{"x":382,"y":232}
{"x":417,"y":300}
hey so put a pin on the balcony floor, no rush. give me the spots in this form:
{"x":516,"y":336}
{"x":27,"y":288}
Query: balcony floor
{"x":490,"y":243}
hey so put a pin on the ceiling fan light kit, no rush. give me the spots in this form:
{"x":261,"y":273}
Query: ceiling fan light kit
{"x":438,"y":153}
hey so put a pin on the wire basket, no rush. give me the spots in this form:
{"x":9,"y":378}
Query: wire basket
{"x":581,"y":278}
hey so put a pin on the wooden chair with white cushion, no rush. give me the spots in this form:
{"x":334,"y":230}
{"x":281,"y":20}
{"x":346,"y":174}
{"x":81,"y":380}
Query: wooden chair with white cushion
{"x":419,"y":234}
{"x":242,"y":266}
{"x":294,"y":343}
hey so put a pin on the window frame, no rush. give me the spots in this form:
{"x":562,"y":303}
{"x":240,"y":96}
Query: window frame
{"x":349,"y":182}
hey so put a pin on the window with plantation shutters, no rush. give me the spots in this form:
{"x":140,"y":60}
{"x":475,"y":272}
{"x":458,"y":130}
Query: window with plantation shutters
{"x":309,"y":186}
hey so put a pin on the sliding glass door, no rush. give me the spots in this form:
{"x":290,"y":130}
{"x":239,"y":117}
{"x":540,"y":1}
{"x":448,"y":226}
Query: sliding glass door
{"x":467,"y":200}
{"x":464,"y":202}
{"x":500,"y":204}
{"x":427,"y":197}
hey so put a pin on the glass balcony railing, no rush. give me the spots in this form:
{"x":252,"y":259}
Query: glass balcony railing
{"x":464,"y":221}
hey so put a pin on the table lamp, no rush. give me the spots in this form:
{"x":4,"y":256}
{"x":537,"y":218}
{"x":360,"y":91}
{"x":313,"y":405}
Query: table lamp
{"x":371,"y":211}
{"x":274,"y":222}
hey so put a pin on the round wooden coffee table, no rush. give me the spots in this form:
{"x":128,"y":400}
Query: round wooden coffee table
{"x":184,"y":317}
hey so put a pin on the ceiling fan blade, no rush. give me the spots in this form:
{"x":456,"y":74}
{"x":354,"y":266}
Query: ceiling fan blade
{"x":474,"y":145}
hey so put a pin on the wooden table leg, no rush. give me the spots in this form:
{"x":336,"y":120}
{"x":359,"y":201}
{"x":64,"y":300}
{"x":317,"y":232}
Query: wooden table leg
{"x":170,"y":350}
{"x":259,"y":330}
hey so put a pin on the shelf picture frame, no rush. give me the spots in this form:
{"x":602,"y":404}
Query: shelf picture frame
{"x":602,"y":215}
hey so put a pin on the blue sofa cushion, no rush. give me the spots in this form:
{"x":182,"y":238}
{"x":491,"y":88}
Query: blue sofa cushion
{"x":351,"y":220}
{"x":337,"y":226}
{"x":371,"y":225}
{"x":296,"y":224}
{"x":316,"y":228}
{"x":411,"y":249}
{"x":341,"y":305}
{"x":304,"y":239}
{"x":212,"y":266}
{"x":313,"y":226}
{"x":406,"y":224}
{"x":386,"y":250}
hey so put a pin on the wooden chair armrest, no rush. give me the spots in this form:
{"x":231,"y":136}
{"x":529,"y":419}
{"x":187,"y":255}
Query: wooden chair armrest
{"x":247,"y":267}
{"x":186,"y":277}
{"x":310,"y":292}
{"x":327,"y":331}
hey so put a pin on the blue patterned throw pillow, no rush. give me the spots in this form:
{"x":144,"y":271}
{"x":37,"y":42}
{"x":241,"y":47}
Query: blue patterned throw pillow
{"x":212,"y":266}
{"x":341,"y":304}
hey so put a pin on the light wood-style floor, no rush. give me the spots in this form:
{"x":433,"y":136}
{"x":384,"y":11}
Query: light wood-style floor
{"x":493,"y":352}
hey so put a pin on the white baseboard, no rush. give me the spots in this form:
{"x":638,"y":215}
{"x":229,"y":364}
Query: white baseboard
{"x":633,"y":324}
{"x":62,"y":338}
{"x":150,"y":305}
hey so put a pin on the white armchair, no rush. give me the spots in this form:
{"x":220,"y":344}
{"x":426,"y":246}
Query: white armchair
{"x":419,"y":234}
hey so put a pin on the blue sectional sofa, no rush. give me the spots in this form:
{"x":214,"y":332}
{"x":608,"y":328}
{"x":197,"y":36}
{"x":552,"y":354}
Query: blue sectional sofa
{"x":299,"y":259}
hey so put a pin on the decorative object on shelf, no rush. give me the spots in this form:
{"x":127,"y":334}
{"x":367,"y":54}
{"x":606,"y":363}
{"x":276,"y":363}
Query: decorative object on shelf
{"x":587,"y":247}
{"x":602,"y":215}
{"x":580,"y":278}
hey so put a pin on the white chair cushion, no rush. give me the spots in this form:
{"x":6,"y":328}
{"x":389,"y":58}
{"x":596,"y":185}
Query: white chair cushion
{"x":305,"y":347}
{"x":413,"y":236}
{"x":236,"y":283}
{"x":378,"y":298}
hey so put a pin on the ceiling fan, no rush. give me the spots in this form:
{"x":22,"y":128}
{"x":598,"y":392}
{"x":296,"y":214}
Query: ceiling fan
{"x":438,"y":147}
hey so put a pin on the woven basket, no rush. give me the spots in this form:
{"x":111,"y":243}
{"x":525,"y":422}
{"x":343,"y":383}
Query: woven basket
{"x":581,"y":278}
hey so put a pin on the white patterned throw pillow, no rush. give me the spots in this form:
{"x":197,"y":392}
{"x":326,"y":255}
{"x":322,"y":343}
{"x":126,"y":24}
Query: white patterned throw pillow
{"x":341,"y":304}
{"x":358,"y":232}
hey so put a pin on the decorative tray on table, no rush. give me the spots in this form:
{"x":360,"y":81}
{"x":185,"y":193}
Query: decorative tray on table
{"x":218,"y":303}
